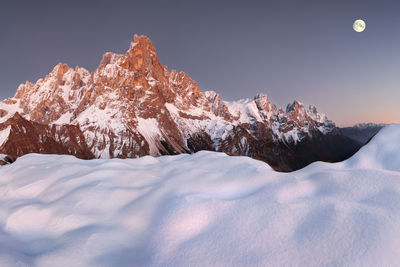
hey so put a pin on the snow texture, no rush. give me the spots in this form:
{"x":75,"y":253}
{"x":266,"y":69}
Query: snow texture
{"x":205,"y":209}
{"x":151,"y":132}
{"x":4,"y":135}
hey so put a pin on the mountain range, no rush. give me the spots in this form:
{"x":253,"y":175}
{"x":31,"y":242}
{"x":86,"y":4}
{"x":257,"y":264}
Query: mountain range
{"x":132,"y":106}
{"x":362,"y":132}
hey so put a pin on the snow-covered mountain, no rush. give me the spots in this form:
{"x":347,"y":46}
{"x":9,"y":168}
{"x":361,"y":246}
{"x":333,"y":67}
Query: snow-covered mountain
{"x":362,"y":132}
{"x":205,"y":209}
{"x":131,"y":106}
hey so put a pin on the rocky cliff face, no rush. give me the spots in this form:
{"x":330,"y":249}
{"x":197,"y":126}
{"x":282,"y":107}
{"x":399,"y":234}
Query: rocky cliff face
{"x":131,"y":106}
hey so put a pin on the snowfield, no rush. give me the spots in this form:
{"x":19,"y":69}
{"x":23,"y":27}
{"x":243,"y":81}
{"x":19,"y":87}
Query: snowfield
{"x":206,"y":209}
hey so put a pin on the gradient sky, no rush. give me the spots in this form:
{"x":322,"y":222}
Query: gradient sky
{"x":304,"y":50}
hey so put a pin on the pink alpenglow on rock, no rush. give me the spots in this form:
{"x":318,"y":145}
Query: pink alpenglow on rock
{"x":132,"y":106}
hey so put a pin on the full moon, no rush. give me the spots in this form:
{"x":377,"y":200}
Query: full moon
{"x":359,"y":25}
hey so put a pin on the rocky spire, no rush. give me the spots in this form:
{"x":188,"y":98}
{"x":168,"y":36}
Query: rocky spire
{"x":142,"y":57}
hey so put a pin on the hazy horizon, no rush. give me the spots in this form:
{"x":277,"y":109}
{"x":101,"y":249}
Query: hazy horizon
{"x":305,"y":51}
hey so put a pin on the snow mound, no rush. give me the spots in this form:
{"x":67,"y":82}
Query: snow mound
{"x":383,"y":151}
{"x":205,"y":209}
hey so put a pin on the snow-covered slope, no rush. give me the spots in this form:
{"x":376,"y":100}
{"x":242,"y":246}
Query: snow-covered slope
{"x":382,"y":152}
{"x":205,"y":209}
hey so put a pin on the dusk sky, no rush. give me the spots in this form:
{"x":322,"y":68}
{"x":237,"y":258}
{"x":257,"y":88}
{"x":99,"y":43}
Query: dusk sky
{"x":303,"y":50}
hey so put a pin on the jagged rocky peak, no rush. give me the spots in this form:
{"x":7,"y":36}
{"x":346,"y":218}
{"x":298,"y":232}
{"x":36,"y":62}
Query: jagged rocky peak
{"x":181,"y":82}
{"x":217,"y":106}
{"x":297,"y":113}
{"x":131,"y":105}
{"x":211,"y":95}
{"x":109,"y":58}
{"x":294,"y":107}
{"x":61,"y":75}
{"x":46,"y":100}
{"x":261,"y":100}
{"x":141,"y":56}
{"x":263,"y":104}
{"x":298,"y":108}
{"x":313,"y":109}
{"x":61,"y":69}
{"x":320,"y":117}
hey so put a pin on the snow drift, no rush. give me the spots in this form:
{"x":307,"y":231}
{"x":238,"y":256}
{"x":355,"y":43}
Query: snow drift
{"x":201,"y":210}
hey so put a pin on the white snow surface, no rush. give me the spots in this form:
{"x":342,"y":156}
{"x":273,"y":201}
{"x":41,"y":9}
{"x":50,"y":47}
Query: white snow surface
{"x":151,"y":132}
{"x":205,"y":209}
{"x":4,"y":135}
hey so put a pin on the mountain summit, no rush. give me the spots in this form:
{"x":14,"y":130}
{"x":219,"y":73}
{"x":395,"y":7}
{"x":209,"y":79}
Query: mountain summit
{"x":131,"y":106}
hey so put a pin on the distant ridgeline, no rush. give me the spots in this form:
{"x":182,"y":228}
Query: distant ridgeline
{"x":363,"y":132}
